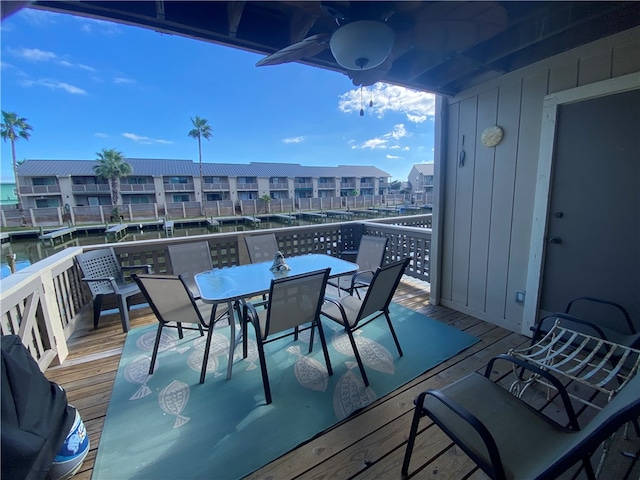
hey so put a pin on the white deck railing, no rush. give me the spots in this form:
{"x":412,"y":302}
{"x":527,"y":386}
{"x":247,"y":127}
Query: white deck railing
{"x":43,"y":303}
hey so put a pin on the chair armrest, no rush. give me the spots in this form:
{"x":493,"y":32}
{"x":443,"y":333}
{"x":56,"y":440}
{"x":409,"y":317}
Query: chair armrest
{"x":337,"y":303}
{"x":354,"y":278}
{"x":546,"y":323}
{"x":571,"y":414}
{"x":111,"y":280}
{"x":469,"y":418}
{"x":249,"y":313}
{"x":147,"y":267}
{"x":623,"y":310}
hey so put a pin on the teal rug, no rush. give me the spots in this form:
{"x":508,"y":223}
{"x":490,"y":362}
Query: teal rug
{"x":169,"y":426}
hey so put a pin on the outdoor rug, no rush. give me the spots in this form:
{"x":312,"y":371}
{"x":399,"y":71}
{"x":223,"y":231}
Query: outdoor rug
{"x":169,"y":426}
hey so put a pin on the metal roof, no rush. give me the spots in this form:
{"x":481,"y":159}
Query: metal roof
{"x":165,"y":167}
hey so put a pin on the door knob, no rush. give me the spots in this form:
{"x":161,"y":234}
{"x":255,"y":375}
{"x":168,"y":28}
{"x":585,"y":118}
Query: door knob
{"x":555,"y":240}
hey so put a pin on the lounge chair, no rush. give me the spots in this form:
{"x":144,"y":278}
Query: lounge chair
{"x":506,"y":437}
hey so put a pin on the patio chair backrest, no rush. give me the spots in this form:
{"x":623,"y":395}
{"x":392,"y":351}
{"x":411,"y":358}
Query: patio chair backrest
{"x":371,"y":252}
{"x":294,"y":301}
{"x":189,"y":259}
{"x":169,"y":298}
{"x":261,"y":248}
{"x":383,"y":287}
{"x":101,"y":263}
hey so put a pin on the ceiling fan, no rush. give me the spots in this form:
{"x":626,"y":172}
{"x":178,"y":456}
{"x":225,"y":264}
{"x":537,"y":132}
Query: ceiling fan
{"x":370,"y":35}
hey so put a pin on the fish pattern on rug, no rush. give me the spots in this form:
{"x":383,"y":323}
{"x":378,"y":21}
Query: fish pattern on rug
{"x":154,"y":419}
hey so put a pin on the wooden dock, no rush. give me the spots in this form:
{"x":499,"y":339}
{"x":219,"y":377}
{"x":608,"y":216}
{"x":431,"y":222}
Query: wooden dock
{"x":116,"y":232}
{"x":60,"y":234}
{"x":340,"y":214}
{"x":313,"y":216}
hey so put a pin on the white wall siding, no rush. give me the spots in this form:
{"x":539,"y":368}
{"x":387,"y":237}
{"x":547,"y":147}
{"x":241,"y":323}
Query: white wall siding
{"x":488,"y":202}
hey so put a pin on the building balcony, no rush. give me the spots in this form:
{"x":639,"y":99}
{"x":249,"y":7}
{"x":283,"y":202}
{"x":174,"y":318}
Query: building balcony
{"x":178,"y":187}
{"x":209,"y":187}
{"x":326,"y":186}
{"x":142,"y":187}
{"x":278,"y":186}
{"x":39,"y":189}
{"x":303,"y":186}
{"x":246,"y":187}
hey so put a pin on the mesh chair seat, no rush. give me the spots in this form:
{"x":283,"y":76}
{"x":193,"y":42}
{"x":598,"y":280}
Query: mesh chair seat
{"x":174,"y":306}
{"x":369,"y":257}
{"x":293,"y":301}
{"x":352,"y":312}
{"x":189,"y":259}
{"x":261,"y":248}
{"x":506,"y":437}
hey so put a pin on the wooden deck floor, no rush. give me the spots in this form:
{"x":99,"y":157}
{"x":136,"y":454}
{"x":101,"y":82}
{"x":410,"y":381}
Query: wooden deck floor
{"x":370,"y":445}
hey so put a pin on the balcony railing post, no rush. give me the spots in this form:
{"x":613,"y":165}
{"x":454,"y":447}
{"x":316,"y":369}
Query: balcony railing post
{"x":52,"y":318}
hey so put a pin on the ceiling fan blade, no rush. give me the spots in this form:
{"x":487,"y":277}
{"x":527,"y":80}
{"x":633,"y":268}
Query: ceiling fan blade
{"x":369,"y":77}
{"x":309,"y":47}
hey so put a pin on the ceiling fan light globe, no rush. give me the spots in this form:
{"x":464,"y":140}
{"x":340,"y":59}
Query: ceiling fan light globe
{"x":362,"y":45}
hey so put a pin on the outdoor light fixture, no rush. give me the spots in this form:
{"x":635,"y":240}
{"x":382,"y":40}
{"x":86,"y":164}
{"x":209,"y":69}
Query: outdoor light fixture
{"x":362,"y":45}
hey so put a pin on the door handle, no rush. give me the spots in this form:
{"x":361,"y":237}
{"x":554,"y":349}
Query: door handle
{"x":555,"y":240}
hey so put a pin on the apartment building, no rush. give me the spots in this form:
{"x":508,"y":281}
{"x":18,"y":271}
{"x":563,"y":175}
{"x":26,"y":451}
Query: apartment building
{"x":57,"y":183}
{"x":421,"y":180}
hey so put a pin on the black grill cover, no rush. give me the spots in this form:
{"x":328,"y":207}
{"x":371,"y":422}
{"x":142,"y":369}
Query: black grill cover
{"x":35,"y":415}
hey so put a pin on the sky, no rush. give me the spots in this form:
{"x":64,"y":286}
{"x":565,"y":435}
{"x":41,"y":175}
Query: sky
{"x":84,"y":85}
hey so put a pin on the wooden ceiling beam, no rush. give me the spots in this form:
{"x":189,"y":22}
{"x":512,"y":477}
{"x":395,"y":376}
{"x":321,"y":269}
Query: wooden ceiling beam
{"x":234,"y":15}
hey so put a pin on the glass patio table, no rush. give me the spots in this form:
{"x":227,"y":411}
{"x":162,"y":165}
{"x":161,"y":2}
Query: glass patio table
{"x":230,"y":284}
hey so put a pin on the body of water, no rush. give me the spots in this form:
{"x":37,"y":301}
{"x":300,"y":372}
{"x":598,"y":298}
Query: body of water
{"x":33,"y":250}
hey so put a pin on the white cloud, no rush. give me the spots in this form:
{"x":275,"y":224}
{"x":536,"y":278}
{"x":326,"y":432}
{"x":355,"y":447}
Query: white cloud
{"x":122,"y":81}
{"x":55,"y":85}
{"x":98,"y":27}
{"x":375,"y":143}
{"x":33,"y":54}
{"x":393,"y":157}
{"x":145,"y":140}
{"x":386,"y":141}
{"x":293,"y":140}
{"x":100,"y":135}
{"x":37,"y":17}
{"x":416,"y":106}
{"x":81,"y":66}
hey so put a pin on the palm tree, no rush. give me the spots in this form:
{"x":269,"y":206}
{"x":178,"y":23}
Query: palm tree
{"x":201,"y":129}
{"x":13,"y":128}
{"x":112,"y":166}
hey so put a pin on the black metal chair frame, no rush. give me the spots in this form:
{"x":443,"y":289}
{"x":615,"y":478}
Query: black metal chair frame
{"x":580,"y":450}
{"x":181,"y":288}
{"x":365,"y":314}
{"x":250,"y":315}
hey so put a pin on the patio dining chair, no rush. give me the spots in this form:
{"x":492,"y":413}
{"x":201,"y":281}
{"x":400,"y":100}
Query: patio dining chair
{"x":189,"y":259}
{"x":104,"y":275}
{"x":261,"y":248}
{"x":293,"y":301}
{"x":369,"y":257}
{"x":173,"y":304}
{"x":353,"y":313}
{"x":509,"y":439}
